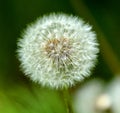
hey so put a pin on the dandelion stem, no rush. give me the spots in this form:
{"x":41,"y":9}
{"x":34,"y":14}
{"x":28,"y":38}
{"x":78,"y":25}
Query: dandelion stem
{"x":67,"y":100}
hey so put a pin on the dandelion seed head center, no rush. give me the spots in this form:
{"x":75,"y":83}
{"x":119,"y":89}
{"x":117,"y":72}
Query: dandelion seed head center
{"x":58,"y":49}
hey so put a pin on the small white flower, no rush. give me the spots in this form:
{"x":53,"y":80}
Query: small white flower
{"x":97,"y":97}
{"x":58,"y":50}
{"x":86,"y":98}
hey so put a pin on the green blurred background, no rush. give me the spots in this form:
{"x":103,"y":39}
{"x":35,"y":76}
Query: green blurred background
{"x":17,"y":93}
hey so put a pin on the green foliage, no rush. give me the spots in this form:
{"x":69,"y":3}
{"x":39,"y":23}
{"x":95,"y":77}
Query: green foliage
{"x":21,"y":99}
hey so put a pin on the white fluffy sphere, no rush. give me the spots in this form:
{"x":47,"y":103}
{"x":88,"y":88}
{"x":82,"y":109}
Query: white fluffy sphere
{"x":58,"y":50}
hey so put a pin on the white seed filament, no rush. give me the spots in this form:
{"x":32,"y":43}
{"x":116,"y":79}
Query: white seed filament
{"x":58,"y":50}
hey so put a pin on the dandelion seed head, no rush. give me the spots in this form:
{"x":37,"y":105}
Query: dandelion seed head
{"x":58,"y":50}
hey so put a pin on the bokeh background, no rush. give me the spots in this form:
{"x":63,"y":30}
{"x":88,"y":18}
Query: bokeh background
{"x":20,"y":95}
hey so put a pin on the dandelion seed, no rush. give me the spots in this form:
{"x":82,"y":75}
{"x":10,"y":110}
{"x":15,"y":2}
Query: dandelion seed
{"x":58,"y":50}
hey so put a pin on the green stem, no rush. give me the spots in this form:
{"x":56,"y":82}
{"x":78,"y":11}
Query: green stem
{"x":67,"y":100}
